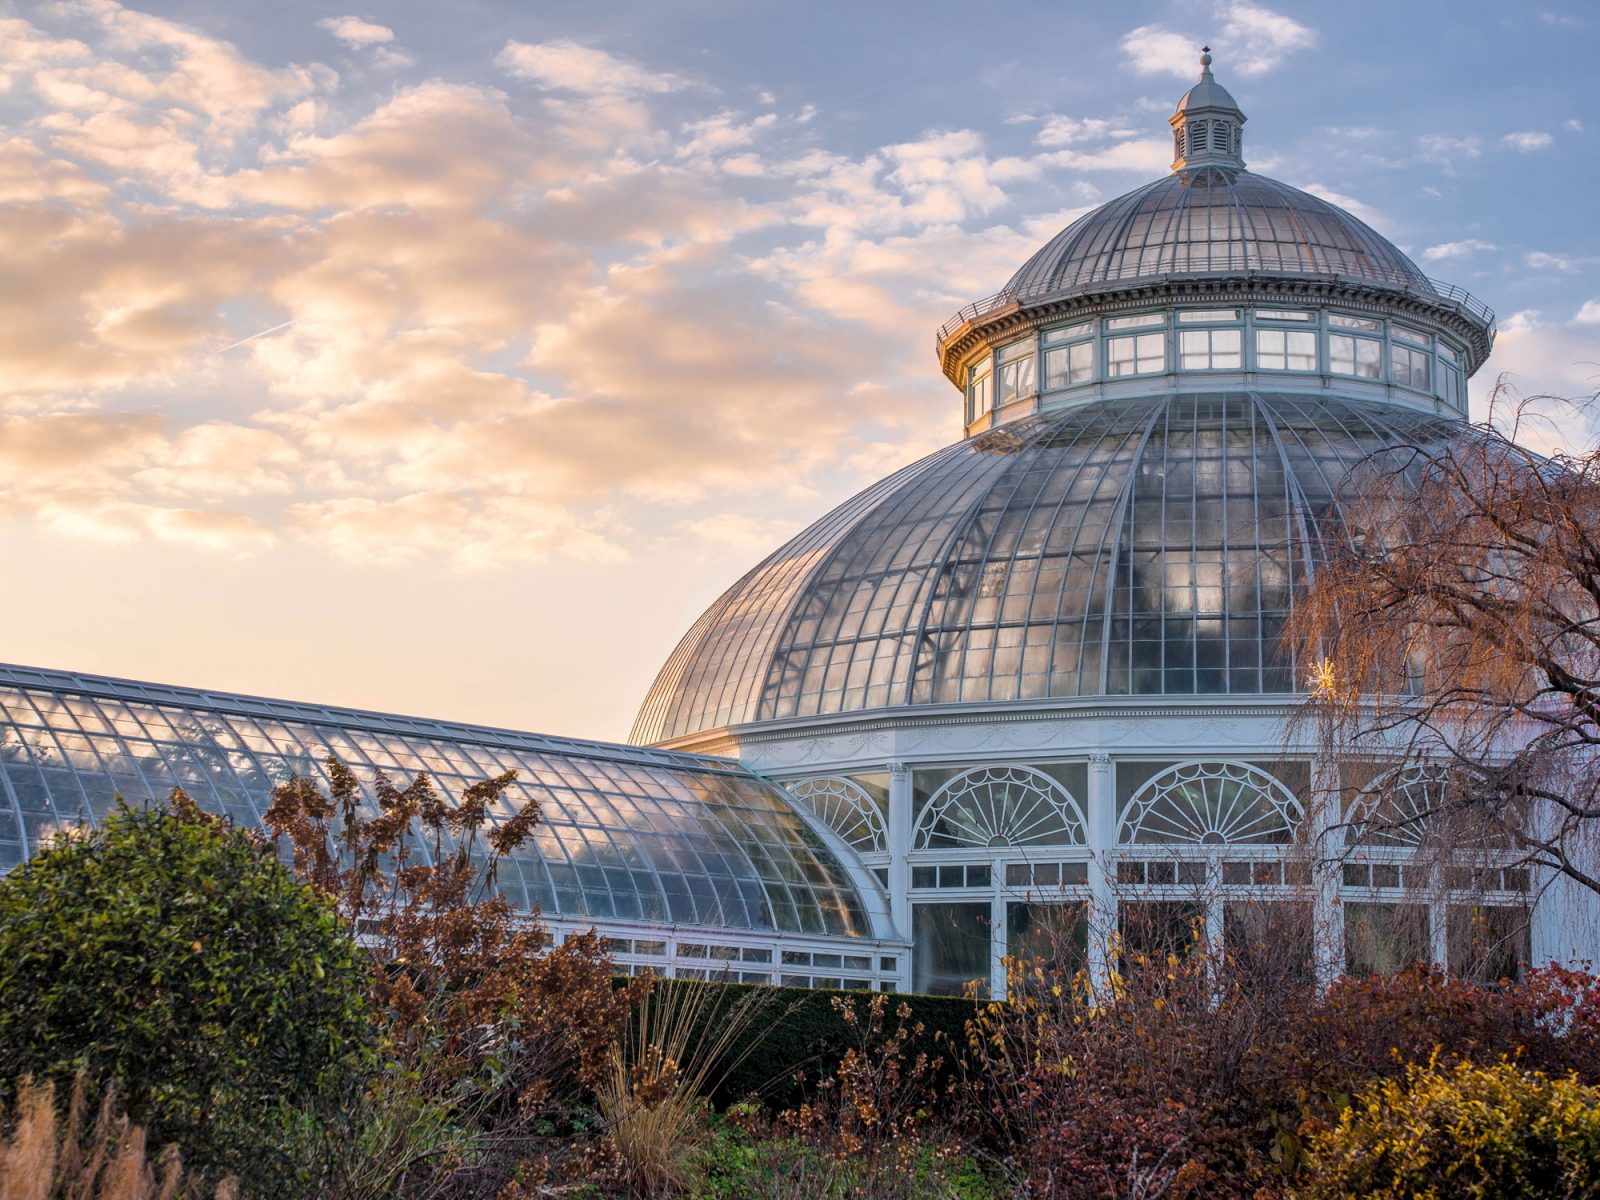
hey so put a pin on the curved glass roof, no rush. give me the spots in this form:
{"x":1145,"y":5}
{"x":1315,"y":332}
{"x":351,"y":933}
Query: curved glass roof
{"x":1137,"y":546}
{"x":1212,"y":221}
{"x":625,"y":834}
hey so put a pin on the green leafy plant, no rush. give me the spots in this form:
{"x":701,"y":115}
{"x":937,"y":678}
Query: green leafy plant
{"x":1488,"y":1132}
{"x":174,"y":954}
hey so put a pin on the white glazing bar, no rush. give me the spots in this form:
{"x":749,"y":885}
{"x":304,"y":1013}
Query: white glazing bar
{"x":899,"y":850}
{"x":997,"y":944}
{"x":1102,"y":837}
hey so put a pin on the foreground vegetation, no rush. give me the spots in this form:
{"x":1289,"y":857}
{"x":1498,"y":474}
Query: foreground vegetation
{"x":210,"y":1004}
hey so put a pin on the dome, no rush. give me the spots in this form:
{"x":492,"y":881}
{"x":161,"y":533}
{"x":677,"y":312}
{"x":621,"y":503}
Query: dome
{"x":1212,"y":221}
{"x":1149,"y":545}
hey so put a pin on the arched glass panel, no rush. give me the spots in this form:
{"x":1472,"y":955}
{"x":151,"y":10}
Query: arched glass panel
{"x":1000,"y":806}
{"x":844,"y":808}
{"x":1211,"y":803}
{"x":1395,"y":811}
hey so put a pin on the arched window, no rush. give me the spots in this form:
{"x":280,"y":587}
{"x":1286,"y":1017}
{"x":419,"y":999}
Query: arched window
{"x":844,"y":808}
{"x":1000,"y":806}
{"x":1413,"y":804}
{"x":1210,"y":803}
{"x":1177,"y":142}
{"x":1395,"y":810}
{"x":1198,"y":138}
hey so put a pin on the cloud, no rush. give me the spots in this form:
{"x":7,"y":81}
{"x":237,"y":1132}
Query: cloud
{"x":1537,"y":357}
{"x":570,"y":66}
{"x":1445,"y":150}
{"x":499,"y":329}
{"x":1572,"y":125}
{"x":377,"y":41}
{"x":1157,"y":50}
{"x":1251,"y":40}
{"x":1541,"y":260}
{"x":1066,"y":131}
{"x":1447,"y":251}
{"x":1588,"y":314}
{"x":353,"y":31}
{"x":1528,"y":140}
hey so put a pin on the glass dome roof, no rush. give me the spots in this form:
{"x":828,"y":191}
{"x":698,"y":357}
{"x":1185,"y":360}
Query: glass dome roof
{"x":1138,"y":546}
{"x":1212,"y":221}
{"x":625,"y":834}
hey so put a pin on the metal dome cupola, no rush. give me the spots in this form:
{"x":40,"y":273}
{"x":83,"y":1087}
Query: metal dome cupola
{"x":1213,"y":277}
{"x":1208,"y":126}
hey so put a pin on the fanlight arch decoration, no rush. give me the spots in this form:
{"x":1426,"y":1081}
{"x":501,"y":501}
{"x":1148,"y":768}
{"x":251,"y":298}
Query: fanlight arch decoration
{"x":845,"y":808}
{"x":1000,"y":806}
{"x":1413,"y":805}
{"x":1211,"y":804}
{"x":1395,"y":811}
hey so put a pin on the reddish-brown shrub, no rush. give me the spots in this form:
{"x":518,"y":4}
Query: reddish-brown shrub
{"x":473,"y":1000}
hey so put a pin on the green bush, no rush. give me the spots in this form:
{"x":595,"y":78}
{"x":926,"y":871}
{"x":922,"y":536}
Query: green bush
{"x":798,"y":1037}
{"x":173,"y":953}
{"x":1492,"y":1133}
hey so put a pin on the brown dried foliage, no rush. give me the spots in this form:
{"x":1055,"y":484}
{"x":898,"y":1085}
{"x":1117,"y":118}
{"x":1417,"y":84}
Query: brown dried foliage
{"x":472,"y":997}
{"x":1456,"y":621}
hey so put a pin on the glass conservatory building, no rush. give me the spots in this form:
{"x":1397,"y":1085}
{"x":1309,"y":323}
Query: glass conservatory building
{"x":1033,"y":682}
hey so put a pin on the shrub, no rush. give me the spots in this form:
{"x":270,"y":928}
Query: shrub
{"x":484,"y":1021}
{"x":1492,"y":1132}
{"x":801,"y":1038}
{"x":874,"y":1130}
{"x":172,"y":953}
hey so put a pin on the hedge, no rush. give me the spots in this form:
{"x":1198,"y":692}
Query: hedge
{"x":797,"y":1037}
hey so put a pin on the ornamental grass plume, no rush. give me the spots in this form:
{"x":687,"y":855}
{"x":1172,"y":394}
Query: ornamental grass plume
{"x":45,"y":1157}
{"x":673,"y":1054}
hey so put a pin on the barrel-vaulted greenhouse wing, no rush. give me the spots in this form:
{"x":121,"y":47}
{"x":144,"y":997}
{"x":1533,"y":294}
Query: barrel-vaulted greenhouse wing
{"x":631,"y":840}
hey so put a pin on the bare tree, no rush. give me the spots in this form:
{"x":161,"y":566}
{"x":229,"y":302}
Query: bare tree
{"x":1454,"y":624}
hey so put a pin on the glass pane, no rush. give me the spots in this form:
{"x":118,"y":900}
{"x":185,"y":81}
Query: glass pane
{"x":1053,"y":938}
{"x":1135,"y":322}
{"x":1156,"y":928}
{"x":1202,"y":315}
{"x":1339,"y":321}
{"x":1068,"y":333}
{"x":1488,"y":943}
{"x":1269,"y":942}
{"x":951,"y":948}
{"x":1380,"y":939}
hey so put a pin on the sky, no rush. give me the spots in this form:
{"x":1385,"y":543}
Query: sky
{"x":450,"y":359}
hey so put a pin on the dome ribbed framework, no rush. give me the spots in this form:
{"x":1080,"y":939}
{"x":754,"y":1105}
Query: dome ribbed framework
{"x":1212,"y":221}
{"x":1137,"y":546}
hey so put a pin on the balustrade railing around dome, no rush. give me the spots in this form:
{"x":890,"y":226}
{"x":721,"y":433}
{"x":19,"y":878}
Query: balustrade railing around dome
{"x":1451,"y":294}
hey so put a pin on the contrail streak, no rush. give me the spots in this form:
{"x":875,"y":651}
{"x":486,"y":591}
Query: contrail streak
{"x":254,"y":336}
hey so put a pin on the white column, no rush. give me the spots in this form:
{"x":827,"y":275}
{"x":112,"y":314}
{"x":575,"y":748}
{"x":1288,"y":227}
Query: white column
{"x":1102,"y":836}
{"x":1438,"y":919}
{"x":997,"y":942}
{"x":899,"y":849}
{"x":1326,"y":843}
